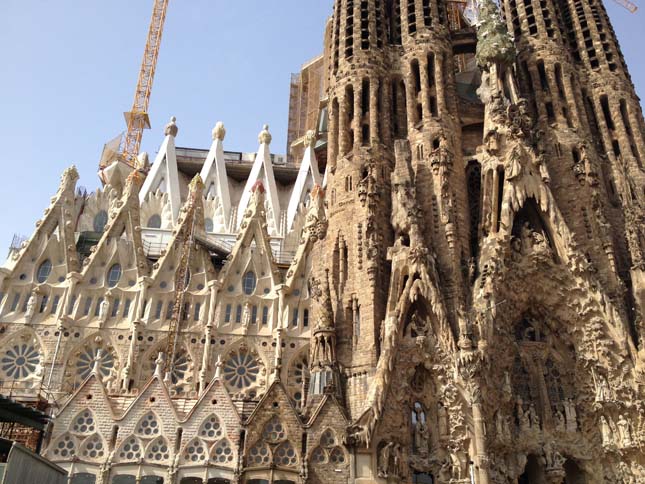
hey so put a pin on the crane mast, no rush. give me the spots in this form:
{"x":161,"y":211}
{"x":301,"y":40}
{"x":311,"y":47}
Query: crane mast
{"x":137,"y":119}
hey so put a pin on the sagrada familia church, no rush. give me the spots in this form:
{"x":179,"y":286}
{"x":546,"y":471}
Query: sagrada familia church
{"x":442,"y":282}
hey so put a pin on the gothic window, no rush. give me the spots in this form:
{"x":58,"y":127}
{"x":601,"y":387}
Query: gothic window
{"x":209,"y":226}
{"x":328,"y":439}
{"x":249,"y":282}
{"x":285,"y":455}
{"x":528,"y":331}
{"x":241,"y":372}
{"x":65,"y":447}
{"x":114,"y":275}
{"x":265,"y":315}
{"x":337,"y":456}
{"x":211,"y":428}
{"x":100,"y":221}
{"x":305,"y":318}
{"x":259,"y":455}
{"x":195,"y":452}
{"x":274,"y":431}
{"x":43,"y":271}
{"x":93,"y":448}
{"x":223,"y":453}
{"x":20,"y":360}
{"x":227,"y":313}
{"x":298,"y":375}
{"x":554,"y":384}
{"x":521,"y":380}
{"x":238,"y":313}
{"x":84,"y":423}
{"x":148,"y":426}
{"x":158,"y":451}
{"x":318,"y":456}
{"x":131,"y":450}
{"x":154,"y":222}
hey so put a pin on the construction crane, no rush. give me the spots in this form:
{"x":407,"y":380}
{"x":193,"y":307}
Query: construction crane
{"x":632,"y":7}
{"x":125,"y":148}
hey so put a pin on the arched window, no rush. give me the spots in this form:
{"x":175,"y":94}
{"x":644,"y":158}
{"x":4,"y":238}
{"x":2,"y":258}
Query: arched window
{"x":84,"y":423}
{"x":249,"y":282}
{"x":114,"y":275}
{"x":43,"y":271}
{"x":208,"y":225}
{"x":100,"y":221}
{"x":211,"y":428}
{"x":154,"y":222}
{"x":222,"y":452}
{"x":93,"y":448}
{"x":148,"y":426}
{"x":158,"y":450}
{"x":195,"y":452}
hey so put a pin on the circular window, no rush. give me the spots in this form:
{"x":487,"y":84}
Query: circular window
{"x":249,"y":282}
{"x":241,"y":370}
{"x":154,"y":222}
{"x":100,"y":221}
{"x":43,"y":271}
{"x":20,"y":361}
{"x":114,"y":275}
{"x":88,"y":357}
{"x":208,"y":225}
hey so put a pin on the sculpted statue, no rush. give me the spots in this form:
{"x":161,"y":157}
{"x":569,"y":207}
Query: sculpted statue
{"x":571,"y":415}
{"x":104,"y":312}
{"x":534,"y":417}
{"x":603,"y":392}
{"x":605,"y":432}
{"x":625,"y":432}
{"x":31,"y":307}
{"x":560,"y":422}
{"x":421,"y":434}
{"x":384,"y":460}
{"x":160,"y":363}
{"x":443,"y":421}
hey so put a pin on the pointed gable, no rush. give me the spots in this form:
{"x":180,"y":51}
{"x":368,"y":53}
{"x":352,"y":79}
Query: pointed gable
{"x":54,"y":235}
{"x":308,"y":177}
{"x":253,"y":238}
{"x":216,"y":181}
{"x":262,"y":171}
{"x":123,"y":227}
{"x":164,"y":174}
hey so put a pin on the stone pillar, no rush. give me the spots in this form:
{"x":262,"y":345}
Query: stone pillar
{"x":440,"y":84}
{"x":425,"y":89}
{"x":386,"y":115}
{"x":332,"y":152}
{"x":358,"y":114}
{"x":410,"y":102}
{"x":374,"y":114}
{"x":570,"y":95}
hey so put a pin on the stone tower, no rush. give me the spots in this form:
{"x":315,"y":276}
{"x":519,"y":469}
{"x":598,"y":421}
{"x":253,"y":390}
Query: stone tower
{"x":448,"y":288}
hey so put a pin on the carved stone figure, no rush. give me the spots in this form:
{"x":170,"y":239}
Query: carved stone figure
{"x":443,"y":421}
{"x":624,"y":432}
{"x":606,"y":432}
{"x":31,"y":307}
{"x":104,"y":312}
{"x":421,"y":433}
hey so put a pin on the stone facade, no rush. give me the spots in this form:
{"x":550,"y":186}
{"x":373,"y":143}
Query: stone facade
{"x":456,"y":298}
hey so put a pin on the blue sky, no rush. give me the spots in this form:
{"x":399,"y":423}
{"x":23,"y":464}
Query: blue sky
{"x":69,"y":69}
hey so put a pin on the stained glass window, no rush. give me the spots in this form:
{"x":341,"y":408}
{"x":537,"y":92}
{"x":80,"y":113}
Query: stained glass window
{"x":20,"y":361}
{"x":114,"y":275}
{"x":211,"y":428}
{"x":158,"y":450}
{"x":148,"y":426}
{"x":248,"y":283}
{"x":43,"y":271}
{"x":241,"y":369}
{"x":223,"y":452}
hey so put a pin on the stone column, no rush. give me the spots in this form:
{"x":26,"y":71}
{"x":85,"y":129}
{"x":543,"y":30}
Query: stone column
{"x":374,"y":114}
{"x":332,"y":135}
{"x":343,"y":120}
{"x":440,"y":86}
{"x":358,"y":114}
{"x":410,"y":102}
{"x":425,"y":89}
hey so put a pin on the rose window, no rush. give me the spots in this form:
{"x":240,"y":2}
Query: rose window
{"x":84,"y":423}
{"x":158,"y":451}
{"x":285,"y":455}
{"x":195,"y":452}
{"x":131,"y":450}
{"x":20,"y":361}
{"x":259,"y":455}
{"x":148,"y":426}
{"x":241,"y":371}
{"x":274,"y":431}
{"x":65,"y":448}
{"x":88,"y":357}
{"x":223,"y":452}
{"x":211,"y":429}
{"x":93,"y":448}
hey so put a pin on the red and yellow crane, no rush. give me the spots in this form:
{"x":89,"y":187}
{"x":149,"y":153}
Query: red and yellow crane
{"x":137,"y":119}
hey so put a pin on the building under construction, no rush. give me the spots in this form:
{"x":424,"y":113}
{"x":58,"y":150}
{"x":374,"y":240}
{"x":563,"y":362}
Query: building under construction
{"x":441,"y":281}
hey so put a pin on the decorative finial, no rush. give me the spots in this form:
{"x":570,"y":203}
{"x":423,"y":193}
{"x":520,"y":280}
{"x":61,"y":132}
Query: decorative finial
{"x":258,"y":186}
{"x":143,"y":162}
{"x":218,"y":367}
{"x":171,"y":128}
{"x":265,"y":137}
{"x":196,"y":184}
{"x":310,"y":138}
{"x":219,"y":131}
